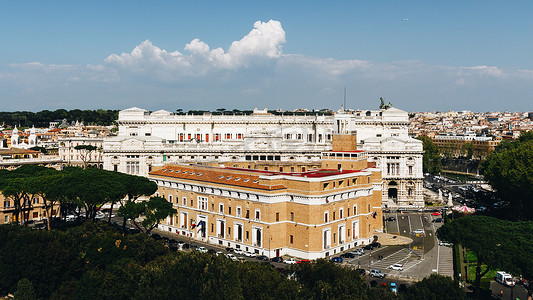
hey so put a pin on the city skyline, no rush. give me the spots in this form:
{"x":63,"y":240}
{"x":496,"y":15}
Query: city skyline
{"x":420,"y":57}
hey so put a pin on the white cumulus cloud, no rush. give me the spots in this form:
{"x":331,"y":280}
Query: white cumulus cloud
{"x":263,"y":42}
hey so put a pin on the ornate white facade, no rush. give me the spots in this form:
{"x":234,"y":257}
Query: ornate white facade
{"x":148,"y":139}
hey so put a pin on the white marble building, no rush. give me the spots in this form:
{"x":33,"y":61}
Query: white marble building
{"x":148,"y":139}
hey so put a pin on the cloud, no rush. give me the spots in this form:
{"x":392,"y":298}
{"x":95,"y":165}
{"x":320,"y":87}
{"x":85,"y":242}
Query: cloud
{"x":263,"y":43}
{"x":254,"y":72}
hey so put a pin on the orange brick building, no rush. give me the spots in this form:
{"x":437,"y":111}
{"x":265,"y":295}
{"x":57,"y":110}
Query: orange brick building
{"x":309,"y":214}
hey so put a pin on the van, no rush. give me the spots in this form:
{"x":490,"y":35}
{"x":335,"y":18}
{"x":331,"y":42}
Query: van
{"x":504,"y":278}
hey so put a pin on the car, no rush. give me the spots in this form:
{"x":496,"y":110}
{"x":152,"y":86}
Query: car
{"x":396,"y":267}
{"x":377,"y":273}
{"x":376,"y":245}
{"x":211,"y":251}
{"x":249,"y":254}
{"x":368,"y":247}
{"x":348,"y":255}
{"x":435,"y":213}
{"x":185,"y":246}
{"x":238,"y":251}
{"x":277,"y":259}
{"x":393,"y":287}
{"x":99,"y":215}
{"x":437,"y":220}
{"x":303,"y":261}
{"x":262,"y":257}
{"x":336,"y":259}
{"x":391,"y":219}
{"x":361,"y":271}
{"x":445,"y":244}
{"x":290,"y":261}
{"x":229,"y":249}
{"x":418,"y":231}
{"x":359,"y":252}
{"x":232,"y":257}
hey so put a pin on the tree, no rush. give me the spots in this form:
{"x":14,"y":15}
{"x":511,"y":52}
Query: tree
{"x":156,"y":209}
{"x":25,"y":290}
{"x":488,"y":238}
{"x":435,"y":287}
{"x":467,"y":150}
{"x":85,"y":153}
{"x":136,"y":186}
{"x":431,"y":160}
{"x":509,"y":170}
{"x":131,"y":210}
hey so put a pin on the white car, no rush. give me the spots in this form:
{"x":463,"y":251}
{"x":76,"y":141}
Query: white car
{"x":232,"y":257}
{"x":249,"y":254}
{"x":238,"y":251}
{"x":220,"y":253}
{"x":202,"y":249}
{"x":418,"y":231}
{"x":290,"y":261}
{"x":397,"y":267}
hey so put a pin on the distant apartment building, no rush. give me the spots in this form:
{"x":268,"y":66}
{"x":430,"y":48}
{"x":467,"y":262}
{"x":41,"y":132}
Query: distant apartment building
{"x":77,"y":157}
{"x":454,"y":145}
{"x":310,"y":214}
{"x":33,"y":210}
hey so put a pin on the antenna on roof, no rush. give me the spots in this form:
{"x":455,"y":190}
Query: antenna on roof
{"x":344,"y":98}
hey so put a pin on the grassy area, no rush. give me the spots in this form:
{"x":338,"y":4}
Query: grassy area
{"x":471,"y":259}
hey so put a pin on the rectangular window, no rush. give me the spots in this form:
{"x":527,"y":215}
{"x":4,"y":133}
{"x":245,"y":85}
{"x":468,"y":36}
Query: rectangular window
{"x":333,"y":216}
{"x":229,"y":210}
{"x":291,"y":239}
{"x":247,"y":214}
{"x":184,"y":201}
{"x":292,"y":216}
{"x":277,"y":217}
{"x":239,"y":213}
{"x":326,"y":217}
{"x":202,"y":203}
{"x":340,"y":213}
{"x":257,"y":215}
{"x":355,"y":210}
{"x":221,"y":208}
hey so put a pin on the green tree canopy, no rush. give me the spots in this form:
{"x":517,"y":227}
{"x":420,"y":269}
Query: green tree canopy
{"x":431,"y":161}
{"x":435,"y":287}
{"x":509,"y":170}
{"x":156,"y":209}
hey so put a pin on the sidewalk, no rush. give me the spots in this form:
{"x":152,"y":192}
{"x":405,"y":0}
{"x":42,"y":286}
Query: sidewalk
{"x":388,"y":239}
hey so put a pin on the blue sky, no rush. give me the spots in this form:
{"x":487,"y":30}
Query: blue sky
{"x":419,"y":55}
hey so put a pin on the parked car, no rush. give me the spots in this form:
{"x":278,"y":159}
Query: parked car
{"x":303,"y":261}
{"x":277,"y":259}
{"x":219,"y":253}
{"x":376,"y":245}
{"x":238,"y":251}
{"x":359,"y":252}
{"x":361,"y":271}
{"x":437,"y":220}
{"x":391,"y":219}
{"x":229,"y":249}
{"x":211,"y":251}
{"x":396,"y":267}
{"x":262,"y":257}
{"x":232,"y":257}
{"x":377,"y":273}
{"x":368,"y":247}
{"x":348,"y":255}
{"x":290,"y":261}
{"x":249,"y":254}
{"x":435,"y":213}
{"x":336,"y":259}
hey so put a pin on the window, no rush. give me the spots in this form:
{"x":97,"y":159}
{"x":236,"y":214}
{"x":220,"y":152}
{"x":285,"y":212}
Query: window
{"x":355,"y":210}
{"x":410,"y":168}
{"x":202,"y":203}
{"x":132,"y":167}
{"x":257,"y":215}
{"x":229,"y":210}
{"x":277,"y":217}
{"x":184,"y":201}
{"x":239,"y":214}
{"x":212,"y":206}
{"x":292,"y":216}
{"x":170,"y":198}
{"x":333,"y":216}
{"x":212,"y":227}
{"x":291,"y":238}
{"x":221,"y":208}
{"x":341,"y":212}
{"x":326,"y":217}
{"x":247,"y":214}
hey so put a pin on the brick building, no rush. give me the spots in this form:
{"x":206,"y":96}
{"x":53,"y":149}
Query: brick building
{"x":309,"y":214}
